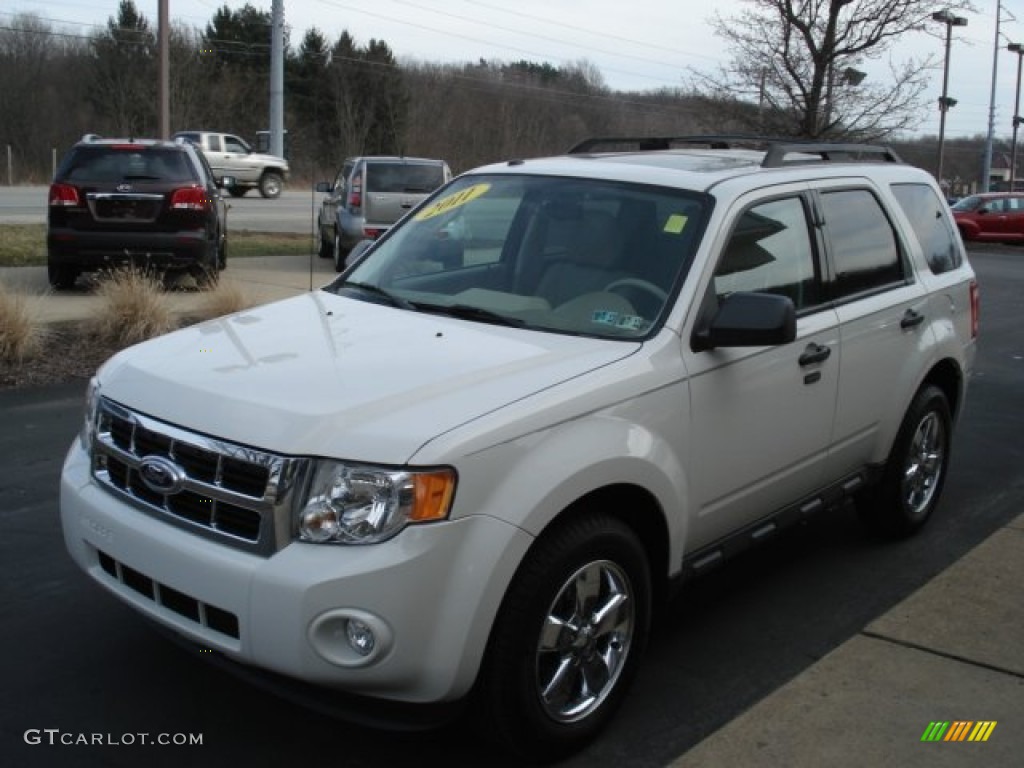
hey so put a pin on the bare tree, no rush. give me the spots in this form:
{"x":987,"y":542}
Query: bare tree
{"x":797,"y":60}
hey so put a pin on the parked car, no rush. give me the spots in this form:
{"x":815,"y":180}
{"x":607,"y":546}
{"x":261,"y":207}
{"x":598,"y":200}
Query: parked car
{"x":144,"y":202}
{"x":368,"y":195}
{"x":554,"y":391}
{"x":993,"y":217}
{"x":230,"y":155}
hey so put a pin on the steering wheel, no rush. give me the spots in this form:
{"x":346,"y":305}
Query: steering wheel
{"x":643,"y":285}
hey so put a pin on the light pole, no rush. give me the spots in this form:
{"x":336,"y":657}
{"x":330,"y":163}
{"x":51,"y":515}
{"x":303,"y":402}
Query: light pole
{"x":945,"y":102}
{"x":1019,"y":50}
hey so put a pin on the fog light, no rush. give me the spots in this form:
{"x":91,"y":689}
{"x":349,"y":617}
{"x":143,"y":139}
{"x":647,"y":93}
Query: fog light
{"x":360,"y":637}
{"x":349,"y":637}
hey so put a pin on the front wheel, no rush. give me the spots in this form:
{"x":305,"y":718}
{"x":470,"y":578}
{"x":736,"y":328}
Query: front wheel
{"x":916,"y":470}
{"x":339,"y":253}
{"x":568,"y":638}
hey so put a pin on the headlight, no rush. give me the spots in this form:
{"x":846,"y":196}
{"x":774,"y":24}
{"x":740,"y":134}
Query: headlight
{"x":92,"y":400}
{"x":353,"y":504}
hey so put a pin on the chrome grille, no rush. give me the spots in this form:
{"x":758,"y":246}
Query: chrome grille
{"x":229,"y":492}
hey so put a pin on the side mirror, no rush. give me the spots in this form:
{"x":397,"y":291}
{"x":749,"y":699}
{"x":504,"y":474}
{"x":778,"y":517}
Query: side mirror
{"x":227,"y":182}
{"x":749,"y":320}
{"x":323,"y":186}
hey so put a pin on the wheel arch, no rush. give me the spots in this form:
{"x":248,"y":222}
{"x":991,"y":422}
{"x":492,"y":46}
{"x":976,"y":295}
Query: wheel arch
{"x":948,"y":377}
{"x":637,"y":509}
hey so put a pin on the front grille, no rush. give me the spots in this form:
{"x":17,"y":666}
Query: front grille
{"x":231,"y":493}
{"x":184,"y":605}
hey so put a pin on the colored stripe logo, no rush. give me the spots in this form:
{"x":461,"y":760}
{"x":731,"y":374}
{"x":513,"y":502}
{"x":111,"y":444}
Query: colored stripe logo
{"x":959,"y":730}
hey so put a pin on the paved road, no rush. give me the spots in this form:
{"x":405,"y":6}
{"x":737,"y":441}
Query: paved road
{"x":74,"y":659}
{"x":294,"y":211}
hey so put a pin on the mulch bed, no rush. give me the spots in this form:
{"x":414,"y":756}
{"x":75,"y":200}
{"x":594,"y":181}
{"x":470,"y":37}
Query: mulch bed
{"x":68,"y":354}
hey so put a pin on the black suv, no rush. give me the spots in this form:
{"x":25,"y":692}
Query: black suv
{"x":144,"y":202}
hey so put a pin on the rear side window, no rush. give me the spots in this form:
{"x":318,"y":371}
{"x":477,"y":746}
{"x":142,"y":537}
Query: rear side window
{"x":931,"y":224}
{"x":864,"y":247}
{"x":403,"y":177}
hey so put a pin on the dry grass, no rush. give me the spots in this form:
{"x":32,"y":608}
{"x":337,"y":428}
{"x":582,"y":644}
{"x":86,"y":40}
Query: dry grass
{"x":227,"y":298}
{"x":135,"y":307}
{"x":21,"y":333}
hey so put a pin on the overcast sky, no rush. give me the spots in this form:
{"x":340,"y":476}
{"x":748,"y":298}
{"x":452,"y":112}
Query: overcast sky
{"x":636,"y":44}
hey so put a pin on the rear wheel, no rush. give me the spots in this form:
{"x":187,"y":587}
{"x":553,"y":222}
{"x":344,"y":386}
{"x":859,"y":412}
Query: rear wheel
{"x":568,"y":638}
{"x":916,"y":469}
{"x":61,"y":277}
{"x":271,"y":184}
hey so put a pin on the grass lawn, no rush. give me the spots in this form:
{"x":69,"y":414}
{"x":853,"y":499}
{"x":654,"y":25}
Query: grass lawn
{"x":24,"y":245}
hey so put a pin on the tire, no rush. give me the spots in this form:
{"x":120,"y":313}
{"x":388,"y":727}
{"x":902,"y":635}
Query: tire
{"x":271,"y":185}
{"x":915,"y":472}
{"x":338,"y":252}
{"x":237,"y":191}
{"x":61,"y":277}
{"x":326,"y":246}
{"x":553,"y":675}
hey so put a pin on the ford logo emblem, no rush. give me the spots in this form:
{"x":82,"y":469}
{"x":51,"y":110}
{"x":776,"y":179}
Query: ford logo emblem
{"x":162,"y":475}
{"x":124,"y":187}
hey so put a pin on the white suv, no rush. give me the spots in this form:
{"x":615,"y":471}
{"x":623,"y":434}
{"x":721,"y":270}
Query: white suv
{"x":555,"y":390}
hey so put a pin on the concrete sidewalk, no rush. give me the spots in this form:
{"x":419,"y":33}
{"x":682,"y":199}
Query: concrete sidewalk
{"x":952,"y":651}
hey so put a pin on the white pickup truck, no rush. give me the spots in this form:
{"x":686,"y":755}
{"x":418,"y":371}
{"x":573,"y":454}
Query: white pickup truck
{"x":229,"y":155}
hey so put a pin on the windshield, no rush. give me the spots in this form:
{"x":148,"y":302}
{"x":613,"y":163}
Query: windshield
{"x":567,"y":255}
{"x":968,"y":203}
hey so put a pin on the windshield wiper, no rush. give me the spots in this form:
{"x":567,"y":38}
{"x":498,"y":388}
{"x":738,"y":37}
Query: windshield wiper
{"x":376,"y":290}
{"x":468,"y":312}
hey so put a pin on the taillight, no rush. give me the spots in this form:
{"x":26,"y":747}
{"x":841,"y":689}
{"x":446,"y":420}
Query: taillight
{"x":190,"y":199}
{"x":63,"y":195}
{"x":355,"y":195}
{"x":373,"y":233}
{"x":975,"y":309}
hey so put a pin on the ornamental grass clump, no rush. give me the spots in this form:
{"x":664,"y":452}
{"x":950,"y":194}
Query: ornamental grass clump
{"x":21,"y":333}
{"x":134,"y":308}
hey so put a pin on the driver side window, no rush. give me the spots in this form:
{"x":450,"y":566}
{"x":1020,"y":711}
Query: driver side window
{"x":770,"y":251}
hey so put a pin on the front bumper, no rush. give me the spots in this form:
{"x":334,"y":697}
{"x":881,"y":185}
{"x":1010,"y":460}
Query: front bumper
{"x":430,"y":594}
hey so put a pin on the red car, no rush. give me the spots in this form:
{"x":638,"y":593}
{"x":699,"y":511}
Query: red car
{"x":995,"y":216}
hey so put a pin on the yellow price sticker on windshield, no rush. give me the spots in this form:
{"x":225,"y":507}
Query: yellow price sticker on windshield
{"x":452,"y":202}
{"x":675,"y":224}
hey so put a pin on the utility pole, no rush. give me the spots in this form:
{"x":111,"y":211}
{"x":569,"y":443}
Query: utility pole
{"x":277,"y":78}
{"x":945,"y":102}
{"x":163,"y":70}
{"x":986,"y":170}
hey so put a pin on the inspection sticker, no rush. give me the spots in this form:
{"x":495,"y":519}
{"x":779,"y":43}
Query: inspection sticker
{"x":451,"y":202}
{"x":675,"y":224}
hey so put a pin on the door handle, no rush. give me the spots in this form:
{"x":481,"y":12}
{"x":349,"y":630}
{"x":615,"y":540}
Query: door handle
{"x":815,"y":353}
{"x":911,"y":318}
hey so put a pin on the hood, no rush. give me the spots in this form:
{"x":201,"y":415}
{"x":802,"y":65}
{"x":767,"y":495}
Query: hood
{"x":268,"y":159}
{"x":326,"y":375}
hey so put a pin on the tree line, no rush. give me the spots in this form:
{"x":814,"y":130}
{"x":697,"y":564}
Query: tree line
{"x":344,"y":98}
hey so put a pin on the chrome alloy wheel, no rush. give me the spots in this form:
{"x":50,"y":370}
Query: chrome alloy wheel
{"x":924,"y":465}
{"x":584,"y":641}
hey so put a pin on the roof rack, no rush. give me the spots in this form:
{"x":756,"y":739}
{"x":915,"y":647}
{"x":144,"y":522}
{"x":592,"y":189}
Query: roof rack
{"x":776,"y":149}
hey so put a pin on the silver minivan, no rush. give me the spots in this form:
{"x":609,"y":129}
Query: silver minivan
{"x":368,"y":195}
